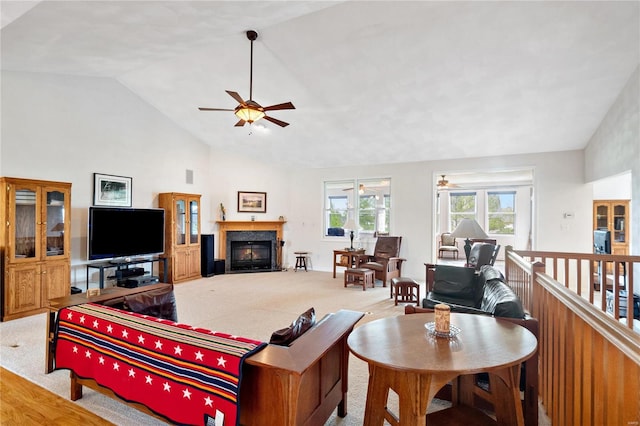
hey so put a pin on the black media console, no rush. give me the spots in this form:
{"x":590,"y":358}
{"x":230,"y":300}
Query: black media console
{"x":126,"y":275}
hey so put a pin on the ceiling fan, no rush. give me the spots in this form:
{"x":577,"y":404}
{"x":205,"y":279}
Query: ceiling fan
{"x":444,"y":183}
{"x":361,"y":189}
{"x":250,"y":111}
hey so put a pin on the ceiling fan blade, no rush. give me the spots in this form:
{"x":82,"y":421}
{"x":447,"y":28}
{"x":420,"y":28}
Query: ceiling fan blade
{"x":286,"y":105}
{"x":215,"y":109}
{"x":276,"y":121}
{"x":235,"y":96}
{"x":240,"y":123}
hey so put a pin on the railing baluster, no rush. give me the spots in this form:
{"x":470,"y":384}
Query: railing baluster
{"x":588,"y":359}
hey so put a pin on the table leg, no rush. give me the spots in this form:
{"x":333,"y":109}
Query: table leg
{"x":505,"y":386}
{"x":415,"y":392}
{"x":48,"y":362}
{"x":334,"y":265}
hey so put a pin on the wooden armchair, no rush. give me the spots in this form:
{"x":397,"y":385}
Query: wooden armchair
{"x":385,"y":261}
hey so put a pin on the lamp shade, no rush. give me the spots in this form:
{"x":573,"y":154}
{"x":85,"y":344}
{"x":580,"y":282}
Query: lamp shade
{"x":468,"y":228}
{"x":350,"y":224}
{"x":249,"y":114}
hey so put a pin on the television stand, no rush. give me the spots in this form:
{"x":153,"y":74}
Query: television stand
{"x":118,"y":265}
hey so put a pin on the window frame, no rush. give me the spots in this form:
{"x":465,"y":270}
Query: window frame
{"x":381,"y":212}
{"x":490,"y":214}
{"x":462,"y":214}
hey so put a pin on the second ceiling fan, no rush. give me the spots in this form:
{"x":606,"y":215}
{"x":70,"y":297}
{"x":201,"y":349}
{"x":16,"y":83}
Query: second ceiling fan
{"x":250,"y":111}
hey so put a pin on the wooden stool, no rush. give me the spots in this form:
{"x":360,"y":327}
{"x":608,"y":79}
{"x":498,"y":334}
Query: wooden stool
{"x":406,"y":290}
{"x":301,"y":260}
{"x":359,"y":276}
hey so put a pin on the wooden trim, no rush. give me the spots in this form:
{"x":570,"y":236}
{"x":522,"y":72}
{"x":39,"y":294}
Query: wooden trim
{"x":245,"y":225}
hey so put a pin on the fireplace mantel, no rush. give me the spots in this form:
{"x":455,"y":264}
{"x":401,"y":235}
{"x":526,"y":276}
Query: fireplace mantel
{"x":245,"y":225}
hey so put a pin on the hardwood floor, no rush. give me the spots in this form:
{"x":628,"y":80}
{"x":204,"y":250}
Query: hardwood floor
{"x":24,"y":403}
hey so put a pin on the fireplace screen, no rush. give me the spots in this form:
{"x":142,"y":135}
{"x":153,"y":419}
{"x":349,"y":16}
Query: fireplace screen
{"x":250,"y":255}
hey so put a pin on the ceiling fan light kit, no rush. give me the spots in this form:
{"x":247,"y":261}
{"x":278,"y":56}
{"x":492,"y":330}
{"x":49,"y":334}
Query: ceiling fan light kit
{"x":249,"y":114}
{"x":250,"y":111}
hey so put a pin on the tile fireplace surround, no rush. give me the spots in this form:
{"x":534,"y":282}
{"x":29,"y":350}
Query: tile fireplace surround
{"x":247,"y":226}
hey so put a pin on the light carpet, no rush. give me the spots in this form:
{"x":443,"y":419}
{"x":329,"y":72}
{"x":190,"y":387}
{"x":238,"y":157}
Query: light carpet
{"x":251,"y":305}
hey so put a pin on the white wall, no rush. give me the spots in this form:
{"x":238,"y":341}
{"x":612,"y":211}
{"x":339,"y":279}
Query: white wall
{"x":66,"y":128}
{"x":613,"y":188}
{"x":558,"y":186}
{"x":615,"y":149}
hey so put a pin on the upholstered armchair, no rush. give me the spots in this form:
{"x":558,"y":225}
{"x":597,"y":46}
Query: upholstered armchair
{"x":447,"y":244}
{"x":385,"y":261}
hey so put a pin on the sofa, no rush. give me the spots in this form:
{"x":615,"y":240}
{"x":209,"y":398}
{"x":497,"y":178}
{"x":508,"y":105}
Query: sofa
{"x":470,"y":291}
{"x":299,"y":377}
{"x":483,"y":292}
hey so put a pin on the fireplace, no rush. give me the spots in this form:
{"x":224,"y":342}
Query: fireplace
{"x":250,"y":255}
{"x":250,"y":251}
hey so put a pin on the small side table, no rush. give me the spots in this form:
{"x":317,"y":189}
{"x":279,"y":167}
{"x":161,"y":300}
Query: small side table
{"x":405,"y":290}
{"x":301,"y":260}
{"x":345,"y":258}
{"x":359,"y":276}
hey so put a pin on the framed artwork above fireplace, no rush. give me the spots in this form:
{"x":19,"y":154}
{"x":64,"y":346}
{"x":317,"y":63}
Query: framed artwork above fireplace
{"x":252,"y":202}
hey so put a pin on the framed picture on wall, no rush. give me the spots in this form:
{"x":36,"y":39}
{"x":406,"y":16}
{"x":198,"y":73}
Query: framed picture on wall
{"x":252,"y":202}
{"x":109,"y":190}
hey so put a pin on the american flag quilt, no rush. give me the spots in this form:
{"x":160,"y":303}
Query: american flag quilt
{"x":187,"y":375}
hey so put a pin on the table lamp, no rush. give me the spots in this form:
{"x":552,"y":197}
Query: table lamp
{"x":468,"y":228}
{"x":350,"y":225}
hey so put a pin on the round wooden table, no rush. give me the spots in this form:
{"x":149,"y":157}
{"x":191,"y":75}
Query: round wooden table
{"x":404,"y":357}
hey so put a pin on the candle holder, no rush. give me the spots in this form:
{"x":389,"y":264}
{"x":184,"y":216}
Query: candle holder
{"x":442,"y":326}
{"x":431,"y":330}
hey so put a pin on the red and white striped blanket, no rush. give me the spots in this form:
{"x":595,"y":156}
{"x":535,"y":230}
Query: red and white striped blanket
{"x":187,"y":375}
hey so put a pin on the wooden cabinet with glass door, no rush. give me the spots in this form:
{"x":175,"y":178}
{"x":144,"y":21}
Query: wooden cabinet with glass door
{"x":613,"y":216}
{"x":182,"y":236}
{"x":35,"y":243}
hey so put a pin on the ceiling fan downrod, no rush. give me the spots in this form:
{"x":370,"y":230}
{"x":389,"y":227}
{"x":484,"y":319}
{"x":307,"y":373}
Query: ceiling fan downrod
{"x":252,"y":36}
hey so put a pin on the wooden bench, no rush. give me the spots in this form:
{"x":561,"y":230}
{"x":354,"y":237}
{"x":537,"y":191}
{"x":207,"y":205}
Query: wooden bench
{"x":287,"y":385}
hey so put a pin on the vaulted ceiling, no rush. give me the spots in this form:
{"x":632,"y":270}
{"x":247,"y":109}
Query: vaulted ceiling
{"x":372,"y":82}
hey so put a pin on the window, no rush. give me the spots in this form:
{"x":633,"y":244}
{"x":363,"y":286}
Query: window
{"x":501,"y":212}
{"x":369,"y":206}
{"x":462,"y":206}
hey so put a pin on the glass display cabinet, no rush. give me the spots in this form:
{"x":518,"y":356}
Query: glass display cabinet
{"x":35,"y":242}
{"x":182,"y":235}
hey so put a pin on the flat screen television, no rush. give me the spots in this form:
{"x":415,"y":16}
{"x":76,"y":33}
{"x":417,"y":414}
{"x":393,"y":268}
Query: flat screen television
{"x":602,"y":241}
{"x":116,"y":233}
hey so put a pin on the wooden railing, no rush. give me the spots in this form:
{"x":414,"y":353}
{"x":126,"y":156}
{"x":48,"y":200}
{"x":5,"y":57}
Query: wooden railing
{"x":583,"y":273}
{"x":589,"y":361}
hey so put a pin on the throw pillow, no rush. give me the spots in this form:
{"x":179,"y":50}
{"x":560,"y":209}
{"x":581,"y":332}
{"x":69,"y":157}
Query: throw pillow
{"x":286,"y":336}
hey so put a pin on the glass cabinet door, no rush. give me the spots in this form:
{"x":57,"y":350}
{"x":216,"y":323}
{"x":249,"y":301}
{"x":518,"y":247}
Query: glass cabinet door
{"x":181,"y":222}
{"x":25,"y":222}
{"x":55,"y":227}
{"x":193,"y":222}
{"x":619,"y":214}
{"x":602,"y":217}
